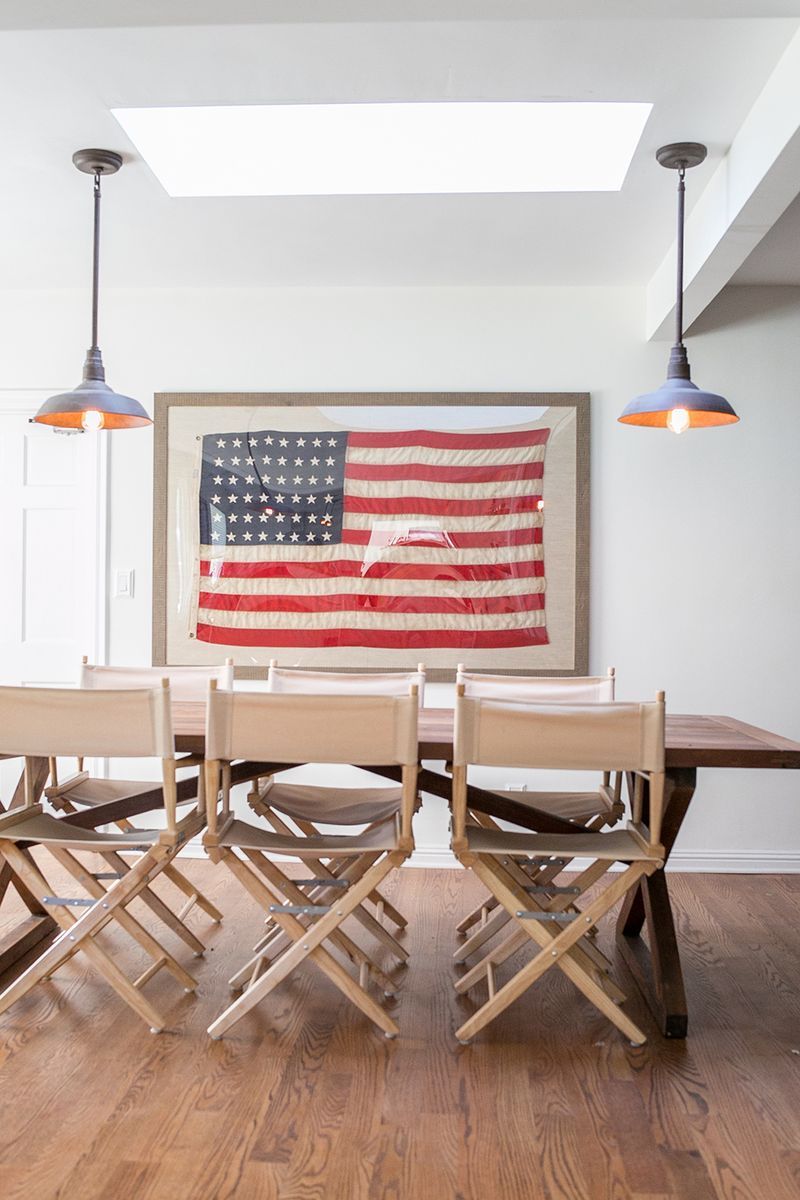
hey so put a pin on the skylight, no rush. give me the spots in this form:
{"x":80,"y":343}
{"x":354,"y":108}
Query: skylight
{"x":363,"y":149}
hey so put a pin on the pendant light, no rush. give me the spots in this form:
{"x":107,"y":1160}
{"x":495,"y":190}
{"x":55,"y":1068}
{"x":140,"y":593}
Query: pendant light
{"x":679,"y":404}
{"x":92,"y":404}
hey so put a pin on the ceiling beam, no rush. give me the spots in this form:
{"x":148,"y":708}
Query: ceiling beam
{"x":757,"y":179}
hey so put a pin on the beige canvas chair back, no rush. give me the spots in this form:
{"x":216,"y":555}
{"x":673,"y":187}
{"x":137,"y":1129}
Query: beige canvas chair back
{"x":47,"y":722}
{"x":622,"y":736}
{"x":186,"y":683}
{"x":360,"y":729}
{"x":569,"y":737}
{"x":383,"y":683}
{"x":589,"y":689}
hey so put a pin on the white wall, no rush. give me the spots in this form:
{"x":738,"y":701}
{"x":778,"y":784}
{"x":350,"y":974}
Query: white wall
{"x":695,"y":575}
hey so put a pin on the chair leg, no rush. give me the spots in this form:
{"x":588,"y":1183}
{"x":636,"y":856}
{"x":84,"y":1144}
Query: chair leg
{"x":514,"y":942}
{"x":179,"y":880}
{"x":153,"y":901}
{"x":310,"y":830}
{"x":294,"y":895}
{"x":329,"y":871}
{"x":307,"y":944}
{"x":158,"y":907}
{"x":378,"y":899}
{"x":265,"y":943}
{"x":364,"y":916}
{"x":124,"y":918}
{"x":477,"y":916}
{"x":543,"y":874}
{"x":498,"y":917}
{"x":587,"y":955}
{"x":552,"y":950}
{"x":65,"y":946}
{"x":490,"y":903}
{"x":139,"y":876}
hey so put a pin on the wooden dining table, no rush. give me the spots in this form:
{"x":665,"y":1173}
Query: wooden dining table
{"x":692,"y":743}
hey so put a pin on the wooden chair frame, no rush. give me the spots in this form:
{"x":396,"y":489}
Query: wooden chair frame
{"x":258,"y":798}
{"x":65,"y":795}
{"x":556,"y":924}
{"x":489,"y":916}
{"x":30,"y":825}
{"x":308,"y":924}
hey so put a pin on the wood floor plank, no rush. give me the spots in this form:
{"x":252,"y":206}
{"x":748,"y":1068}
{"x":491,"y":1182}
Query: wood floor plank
{"x":305,"y":1101}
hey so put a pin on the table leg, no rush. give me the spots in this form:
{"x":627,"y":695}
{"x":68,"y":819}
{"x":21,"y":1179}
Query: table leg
{"x":657,"y":971}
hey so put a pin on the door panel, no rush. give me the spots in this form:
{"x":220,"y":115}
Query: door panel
{"x":52,"y":553}
{"x":52,"y":602}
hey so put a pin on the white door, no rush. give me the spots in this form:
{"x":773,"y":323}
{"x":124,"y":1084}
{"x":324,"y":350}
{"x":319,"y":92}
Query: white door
{"x":52,"y":603}
{"x":53,"y":551}
{"x":52,"y":600}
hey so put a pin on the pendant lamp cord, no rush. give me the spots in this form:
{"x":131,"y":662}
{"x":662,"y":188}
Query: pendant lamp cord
{"x":96,"y":258}
{"x":679,"y":299}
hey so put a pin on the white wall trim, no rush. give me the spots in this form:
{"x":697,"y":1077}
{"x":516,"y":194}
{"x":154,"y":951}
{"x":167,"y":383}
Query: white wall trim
{"x":736,"y":862}
{"x":709,"y":862}
{"x":435,"y":857}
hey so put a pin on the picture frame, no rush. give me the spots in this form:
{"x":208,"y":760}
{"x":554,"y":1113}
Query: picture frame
{"x":492,"y":572}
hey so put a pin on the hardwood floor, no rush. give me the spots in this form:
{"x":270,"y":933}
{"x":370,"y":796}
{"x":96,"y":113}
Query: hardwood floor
{"x":303,"y":1101}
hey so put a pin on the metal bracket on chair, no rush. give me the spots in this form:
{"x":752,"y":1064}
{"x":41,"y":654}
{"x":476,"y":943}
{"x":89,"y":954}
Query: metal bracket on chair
{"x":544,"y":889}
{"x":304,"y":909}
{"x":69,"y":901}
{"x":107,"y":874}
{"x":341,"y":883}
{"x":538,"y":915}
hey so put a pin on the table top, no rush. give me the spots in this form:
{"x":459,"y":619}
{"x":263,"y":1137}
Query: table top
{"x":691,"y":741}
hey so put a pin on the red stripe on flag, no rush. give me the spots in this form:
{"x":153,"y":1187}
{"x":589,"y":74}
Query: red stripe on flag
{"x":446,"y":441}
{"x":348,"y":567}
{"x":359,"y":602}
{"x":451,"y":541}
{"x":521,"y":470}
{"x":422,"y":505}
{"x":406,"y":639}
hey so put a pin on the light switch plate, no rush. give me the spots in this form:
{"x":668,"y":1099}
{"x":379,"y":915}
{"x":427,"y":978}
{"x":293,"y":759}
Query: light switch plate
{"x":123,"y":583}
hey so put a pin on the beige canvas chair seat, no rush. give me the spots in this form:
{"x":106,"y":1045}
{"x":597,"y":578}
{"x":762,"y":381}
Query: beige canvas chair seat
{"x":251,"y":837}
{"x":89,"y":792}
{"x":615,"y":845}
{"x":570,"y":806}
{"x":48,"y":830}
{"x":307,"y":913}
{"x":331,"y":805}
{"x":47,"y":723}
{"x":553,"y":914}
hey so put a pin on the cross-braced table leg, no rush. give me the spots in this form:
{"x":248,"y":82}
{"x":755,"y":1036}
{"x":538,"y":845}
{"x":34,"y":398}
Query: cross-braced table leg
{"x":658,"y":972}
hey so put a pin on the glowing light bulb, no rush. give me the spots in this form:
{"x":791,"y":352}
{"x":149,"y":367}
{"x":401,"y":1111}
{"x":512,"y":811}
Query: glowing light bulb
{"x":678,"y":420}
{"x":92,"y":419}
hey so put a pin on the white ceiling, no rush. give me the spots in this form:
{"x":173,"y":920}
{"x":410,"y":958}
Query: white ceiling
{"x":59,"y":84}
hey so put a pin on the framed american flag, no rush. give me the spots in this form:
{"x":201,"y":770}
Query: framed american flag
{"x":370,"y":530}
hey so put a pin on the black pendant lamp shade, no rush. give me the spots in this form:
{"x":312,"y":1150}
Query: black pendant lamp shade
{"x":93,"y":404}
{"x":679,"y":404}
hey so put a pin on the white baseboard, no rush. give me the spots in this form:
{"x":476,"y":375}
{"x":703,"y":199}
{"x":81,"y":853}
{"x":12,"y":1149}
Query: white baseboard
{"x":710,"y":862}
{"x":434,"y":856}
{"x":426,"y":856}
{"x":736,"y":862}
